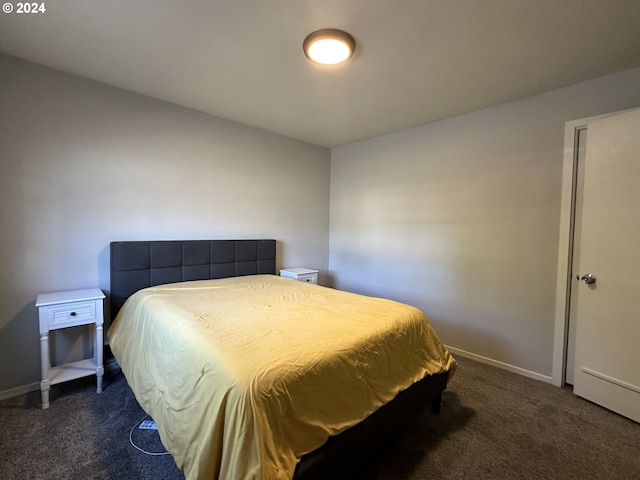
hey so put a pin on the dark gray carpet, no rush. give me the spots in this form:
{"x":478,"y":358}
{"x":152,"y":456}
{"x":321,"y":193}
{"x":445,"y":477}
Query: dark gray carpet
{"x":83,"y":435}
{"x":493,"y":425}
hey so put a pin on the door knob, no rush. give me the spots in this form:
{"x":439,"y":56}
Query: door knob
{"x":589,"y":278}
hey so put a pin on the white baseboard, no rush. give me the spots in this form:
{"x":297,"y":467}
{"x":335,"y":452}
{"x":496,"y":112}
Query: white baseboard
{"x":14,"y":392}
{"x":504,"y":366}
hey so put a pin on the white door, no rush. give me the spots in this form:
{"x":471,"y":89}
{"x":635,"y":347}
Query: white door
{"x":607,"y":344}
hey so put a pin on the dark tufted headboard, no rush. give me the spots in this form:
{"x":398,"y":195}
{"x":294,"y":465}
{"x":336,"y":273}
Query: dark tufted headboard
{"x":141,"y":264}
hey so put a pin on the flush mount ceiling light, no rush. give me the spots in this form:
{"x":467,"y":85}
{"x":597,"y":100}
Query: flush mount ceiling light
{"x":329,"y":46}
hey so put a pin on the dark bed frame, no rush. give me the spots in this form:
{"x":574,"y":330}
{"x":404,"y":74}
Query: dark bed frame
{"x":140,"y":264}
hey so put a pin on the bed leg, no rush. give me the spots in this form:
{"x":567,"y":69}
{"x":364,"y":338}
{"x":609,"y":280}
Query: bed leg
{"x":435,"y":404}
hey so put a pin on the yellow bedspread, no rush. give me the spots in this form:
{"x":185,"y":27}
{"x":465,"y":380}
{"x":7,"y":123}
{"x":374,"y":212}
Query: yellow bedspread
{"x":245,"y":375}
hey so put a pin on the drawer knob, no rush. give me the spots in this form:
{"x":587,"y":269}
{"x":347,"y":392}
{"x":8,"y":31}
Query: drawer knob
{"x":73,"y":314}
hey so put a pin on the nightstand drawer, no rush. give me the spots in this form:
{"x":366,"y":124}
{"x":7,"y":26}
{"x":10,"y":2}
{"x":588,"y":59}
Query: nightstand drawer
{"x":61,"y":316}
{"x":308,"y":277}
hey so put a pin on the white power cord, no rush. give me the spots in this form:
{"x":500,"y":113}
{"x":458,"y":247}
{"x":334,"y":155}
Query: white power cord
{"x":136,"y":446}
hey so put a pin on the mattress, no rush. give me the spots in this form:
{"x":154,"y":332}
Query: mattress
{"x":245,"y":375}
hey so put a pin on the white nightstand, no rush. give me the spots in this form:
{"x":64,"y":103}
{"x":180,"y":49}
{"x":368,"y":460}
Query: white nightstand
{"x":302,"y":274}
{"x":63,"y":310}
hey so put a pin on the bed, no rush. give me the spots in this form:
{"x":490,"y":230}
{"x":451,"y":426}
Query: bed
{"x":249,"y":375}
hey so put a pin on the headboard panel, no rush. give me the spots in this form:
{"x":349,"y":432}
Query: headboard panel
{"x":141,"y":264}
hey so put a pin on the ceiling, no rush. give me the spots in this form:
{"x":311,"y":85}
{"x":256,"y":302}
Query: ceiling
{"x":416,"y":61}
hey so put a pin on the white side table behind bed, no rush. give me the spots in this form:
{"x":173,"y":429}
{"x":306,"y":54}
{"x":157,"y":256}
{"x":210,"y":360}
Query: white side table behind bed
{"x":63,"y":310}
{"x":301,"y":274}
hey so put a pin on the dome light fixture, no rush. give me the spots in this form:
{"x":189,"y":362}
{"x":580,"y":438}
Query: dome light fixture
{"x":329,"y":46}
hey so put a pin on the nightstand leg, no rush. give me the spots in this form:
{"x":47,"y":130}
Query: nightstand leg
{"x":99,"y":356}
{"x":44,"y":368}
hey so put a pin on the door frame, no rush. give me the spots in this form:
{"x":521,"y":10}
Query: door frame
{"x":565,"y":250}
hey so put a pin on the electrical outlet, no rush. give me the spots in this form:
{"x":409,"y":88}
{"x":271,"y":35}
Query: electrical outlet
{"x":148,"y":425}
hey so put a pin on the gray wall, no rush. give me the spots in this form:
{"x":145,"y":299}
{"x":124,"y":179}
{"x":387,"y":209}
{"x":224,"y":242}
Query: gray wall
{"x":458,"y":217}
{"x":82,"y":164}
{"x":461,"y":219}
